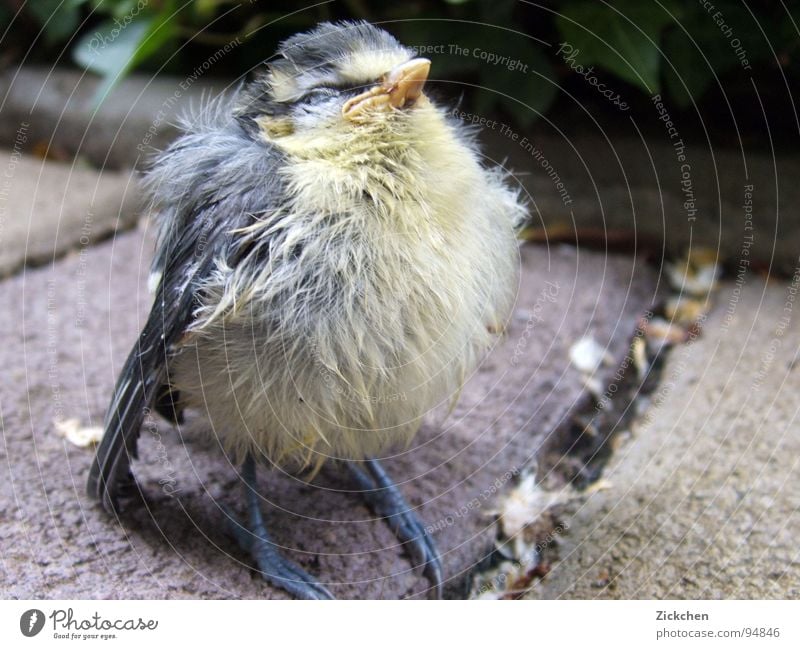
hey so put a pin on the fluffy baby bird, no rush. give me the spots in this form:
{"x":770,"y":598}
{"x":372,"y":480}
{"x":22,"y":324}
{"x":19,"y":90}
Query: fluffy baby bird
{"x":332,"y":261}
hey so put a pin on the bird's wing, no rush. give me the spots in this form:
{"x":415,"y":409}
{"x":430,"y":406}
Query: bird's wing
{"x":141,"y":378}
{"x":211,"y":181}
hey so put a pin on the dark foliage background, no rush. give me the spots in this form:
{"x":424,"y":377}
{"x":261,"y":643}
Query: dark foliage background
{"x":701,"y":56}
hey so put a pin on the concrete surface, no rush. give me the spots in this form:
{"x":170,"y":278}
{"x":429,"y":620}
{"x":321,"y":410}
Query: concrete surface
{"x":627,"y":188}
{"x":704,"y":500}
{"x":48,"y":208}
{"x":68,"y":328}
{"x":58,"y":107}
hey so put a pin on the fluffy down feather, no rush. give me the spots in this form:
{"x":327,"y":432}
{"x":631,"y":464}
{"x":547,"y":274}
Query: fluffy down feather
{"x":364,"y":273}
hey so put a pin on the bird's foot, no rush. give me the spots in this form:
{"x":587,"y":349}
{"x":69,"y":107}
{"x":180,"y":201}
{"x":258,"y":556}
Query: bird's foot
{"x":386,"y":500}
{"x":255,"y":540}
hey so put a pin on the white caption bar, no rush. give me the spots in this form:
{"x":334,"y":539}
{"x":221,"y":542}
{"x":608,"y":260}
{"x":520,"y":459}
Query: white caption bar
{"x":399,"y":624}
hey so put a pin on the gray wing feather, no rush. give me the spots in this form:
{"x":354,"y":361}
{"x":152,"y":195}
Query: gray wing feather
{"x":213,"y":179}
{"x":141,"y":377}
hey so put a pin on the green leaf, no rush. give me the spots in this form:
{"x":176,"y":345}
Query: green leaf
{"x":510,"y":69}
{"x":622,"y":41}
{"x":206,"y":9}
{"x":117,"y":46}
{"x":59,"y":19}
{"x":110,"y":49}
{"x":498,"y":11}
{"x":690,"y":66}
{"x":691,"y":75}
{"x":121,"y":8}
{"x":445,"y":43}
{"x":523,"y":85}
{"x":789,"y":26}
{"x":687,"y":74}
{"x":163,"y":28}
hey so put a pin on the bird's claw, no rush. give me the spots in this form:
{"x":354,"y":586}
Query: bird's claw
{"x":254,"y":539}
{"x":386,"y":500}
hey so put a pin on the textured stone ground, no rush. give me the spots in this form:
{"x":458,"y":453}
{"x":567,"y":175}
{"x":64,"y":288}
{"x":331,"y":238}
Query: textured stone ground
{"x":47,"y":208}
{"x":704,"y":500}
{"x":68,"y":327}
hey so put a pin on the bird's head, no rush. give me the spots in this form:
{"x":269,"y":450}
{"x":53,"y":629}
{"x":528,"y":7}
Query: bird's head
{"x":337,"y":85}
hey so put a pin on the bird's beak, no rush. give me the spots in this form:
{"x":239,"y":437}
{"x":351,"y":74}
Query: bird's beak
{"x":401,"y":86}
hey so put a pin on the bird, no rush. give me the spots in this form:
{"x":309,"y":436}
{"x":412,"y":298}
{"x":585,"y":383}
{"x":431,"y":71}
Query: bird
{"x":333,"y":257}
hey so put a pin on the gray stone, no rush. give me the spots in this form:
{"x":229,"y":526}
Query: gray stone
{"x":58,"y":106}
{"x":49,"y":208}
{"x":630,"y":190}
{"x":703,"y":500}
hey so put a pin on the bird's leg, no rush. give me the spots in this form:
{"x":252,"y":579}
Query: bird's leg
{"x":255,"y":540}
{"x":388,"y":502}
